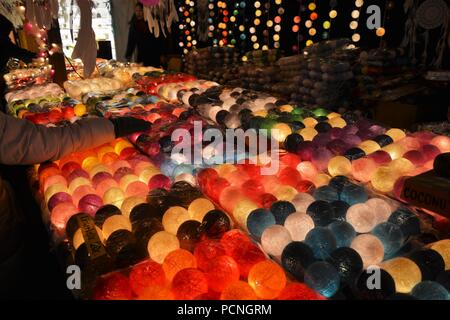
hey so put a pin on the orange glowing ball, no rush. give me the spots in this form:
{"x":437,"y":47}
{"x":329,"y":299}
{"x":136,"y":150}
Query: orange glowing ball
{"x":238,"y":290}
{"x":225,"y":169}
{"x":363,"y":169}
{"x":109,"y":158}
{"x":339,"y":166}
{"x":129,"y":203}
{"x":222,"y":271}
{"x":61,"y":214}
{"x":80,"y":192}
{"x":395,"y":134}
{"x":176,"y":261}
{"x":267,"y":279}
{"x":199,"y":208}
{"x":229,"y":197}
{"x":105,"y":185}
{"x":369,"y":146}
{"x":161,"y":244}
{"x":156,"y":293}
{"x":120,"y":164}
{"x":308,"y":133}
{"x":104,"y":150}
{"x":114,"y":196}
{"x":405,"y":272}
{"x":137,"y":188}
{"x":442,"y":143}
{"x":310,"y":122}
{"x":189,"y":284}
{"x":395,"y":150}
{"x":443,"y":248}
{"x":332,"y":115}
{"x":114,"y":223}
{"x":337,"y":122}
{"x":173,"y":218}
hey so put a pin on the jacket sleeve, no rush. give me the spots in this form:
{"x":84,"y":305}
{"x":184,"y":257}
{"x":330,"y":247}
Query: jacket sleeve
{"x":18,"y":52}
{"x":22,"y":142}
{"x":131,"y":41}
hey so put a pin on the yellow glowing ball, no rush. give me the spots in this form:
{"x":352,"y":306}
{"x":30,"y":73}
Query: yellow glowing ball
{"x":310,"y":122}
{"x":286,"y":108}
{"x":225,"y":169}
{"x":308,"y":133}
{"x":396,"y":134}
{"x":114,"y":223}
{"x":148,"y":173}
{"x":104,"y":150}
{"x":395,"y":150}
{"x":260,"y":113}
{"x":97,"y":169}
{"x":405,"y":272}
{"x":161,"y":244}
{"x":114,"y":196}
{"x":80,"y":181}
{"x":173,"y":218}
{"x":384,"y":178}
{"x":443,"y":248}
{"x":122,"y":144}
{"x":326,"y":24}
{"x":369,"y":146}
{"x":280,"y":131}
{"x":339,"y":166}
{"x":332,"y":115}
{"x":129,"y":203}
{"x":89,"y":162}
{"x":79,"y":110}
{"x":78,"y":238}
{"x":321,"y":179}
{"x":337,"y":122}
{"x":53,"y":189}
{"x":312,"y":6}
{"x":126,"y":180}
{"x":401,"y":166}
{"x":333,"y":14}
{"x":242,"y":210}
{"x":199,"y":208}
{"x":285,"y":193}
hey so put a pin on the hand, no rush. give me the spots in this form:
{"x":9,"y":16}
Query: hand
{"x":125,"y":126}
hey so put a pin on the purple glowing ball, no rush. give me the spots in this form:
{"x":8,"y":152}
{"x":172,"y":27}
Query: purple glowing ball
{"x":320,"y":158}
{"x":77,"y":173}
{"x":57,"y":198}
{"x":90,"y":204}
{"x":321,"y":139}
{"x":352,"y":140}
{"x":350,"y":129}
{"x":99,"y":177}
{"x":305,"y":150}
{"x":338,"y":147}
{"x":336,"y":133}
{"x":376,"y":130}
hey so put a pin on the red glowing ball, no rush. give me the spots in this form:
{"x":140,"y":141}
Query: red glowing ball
{"x":115,"y":286}
{"x":416,"y":157}
{"x":380,"y":157}
{"x":222,"y":271}
{"x":289,"y":176}
{"x":299,"y":291}
{"x":246,"y":256}
{"x":127,"y":153}
{"x":55,"y":116}
{"x":305,"y":186}
{"x":69,"y":167}
{"x":265,"y":200}
{"x":68,"y":113}
{"x":90,"y":204}
{"x":76,"y":174}
{"x":146,"y":274}
{"x":206,"y":251}
{"x":205,"y":176}
{"x":57,"y":198}
{"x":430,"y":151}
{"x":214,"y":188}
{"x":159,"y":181}
{"x":189,"y":283}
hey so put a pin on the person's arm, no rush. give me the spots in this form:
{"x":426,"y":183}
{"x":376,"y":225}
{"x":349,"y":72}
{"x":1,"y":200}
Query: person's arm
{"x":15,"y":51}
{"x":131,"y":42}
{"x":22,"y":142}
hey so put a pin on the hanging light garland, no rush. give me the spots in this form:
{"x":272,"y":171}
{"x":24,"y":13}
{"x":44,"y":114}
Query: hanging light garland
{"x":381,"y":31}
{"x":354,"y":24}
{"x":277,"y":23}
{"x":328,"y":22}
{"x":313,"y":16}
{"x":234,"y":21}
{"x":223,"y":24}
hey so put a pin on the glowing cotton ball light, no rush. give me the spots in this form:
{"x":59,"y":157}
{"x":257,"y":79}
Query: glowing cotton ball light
{"x":396,"y":134}
{"x":343,"y":232}
{"x":90,"y":204}
{"x":443,"y":248}
{"x":369,"y":146}
{"x":339,"y":166}
{"x":61,"y":214}
{"x":146,"y":174}
{"x":401,"y":166}
{"x":173,"y":218}
{"x":323,"y":278}
{"x":221,"y":272}
{"x":267,"y":279}
{"x":242,"y":210}
{"x":395,"y":150}
{"x":337,"y":122}
{"x":159,"y":181}
{"x":129,"y":203}
{"x":302,"y":201}
{"x":274,"y":239}
{"x":58,"y":198}
{"x":53,"y":189}
{"x":189,"y":284}
{"x":299,"y":224}
{"x":238,"y":290}
{"x":405,"y":272}
{"x":308,"y":133}
{"x":353,"y":194}
{"x":322,"y":241}
{"x":80,"y":192}
{"x":280,"y":131}
{"x":161,"y":244}
{"x":442,"y":142}
{"x":176,"y":261}
{"x":114,"y":196}
{"x":381,"y":208}
{"x":363,"y":169}
{"x":390,"y":236}
{"x":145,"y":275}
{"x":114,"y":223}
{"x":361,"y":217}
{"x":75,"y":183}
{"x":369,"y":248}
{"x":383,"y":179}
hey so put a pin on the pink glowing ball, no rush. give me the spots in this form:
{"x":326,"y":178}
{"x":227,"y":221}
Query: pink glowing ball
{"x":430,"y":151}
{"x":159,"y":181}
{"x":99,"y":177}
{"x":90,"y":204}
{"x":136,"y":188}
{"x":76,"y":174}
{"x":105,"y":185}
{"x":410,"y":143}
{"x":121,"y":172}
{"x":120,"y":164}
{"x":442,"y":142}
{"x":57,"y":198}
{"x":320,"y":158}
{"x":305,"y":150}
{"x":416,"y":157}
{"x":61,"y":214}
{"x":380,"y":157}
{"x":80,"y":192}
{"x":363,"y":169}
{"x":53,"y":180}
